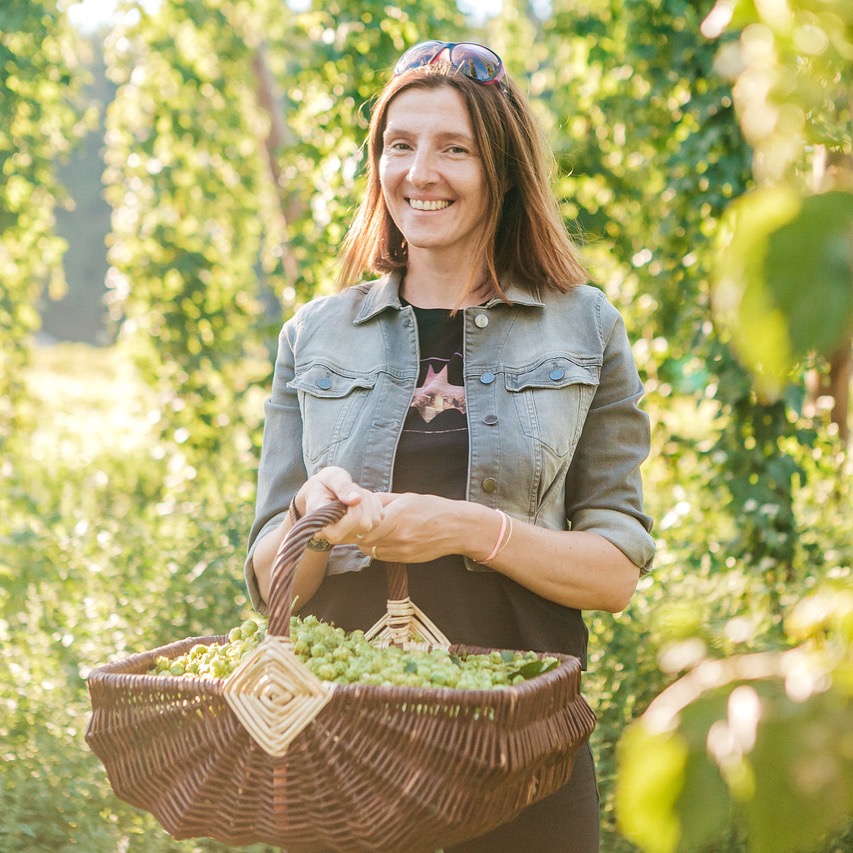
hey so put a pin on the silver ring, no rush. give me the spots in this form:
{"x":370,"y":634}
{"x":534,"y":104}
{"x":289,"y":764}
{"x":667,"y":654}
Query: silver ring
{"x":373,"y":552}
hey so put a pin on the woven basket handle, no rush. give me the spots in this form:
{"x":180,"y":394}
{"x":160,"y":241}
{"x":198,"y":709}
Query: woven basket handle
{"x":284,"y":572}
{"x":286,"y":559}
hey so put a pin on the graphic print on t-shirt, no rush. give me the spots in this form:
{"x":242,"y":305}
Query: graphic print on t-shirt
{"x":432,"y":456}
{"x":438,"y":404}
{"x":436,"y":394}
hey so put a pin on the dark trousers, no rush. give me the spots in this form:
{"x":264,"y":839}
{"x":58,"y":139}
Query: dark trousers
{"x":566,"y":822}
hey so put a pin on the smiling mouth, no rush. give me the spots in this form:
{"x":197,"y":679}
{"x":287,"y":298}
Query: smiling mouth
{"x":424,"y":204}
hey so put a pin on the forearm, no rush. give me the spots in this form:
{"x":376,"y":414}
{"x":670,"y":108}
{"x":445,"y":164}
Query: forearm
{"x":574,"y":568}
{"x":310,"y":570}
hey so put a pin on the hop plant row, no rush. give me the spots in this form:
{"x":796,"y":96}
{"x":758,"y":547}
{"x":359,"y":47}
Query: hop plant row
{"x":335,"y":655}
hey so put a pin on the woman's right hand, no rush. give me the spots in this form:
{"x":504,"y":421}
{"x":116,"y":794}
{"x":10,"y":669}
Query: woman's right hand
{"x":364,"y":508}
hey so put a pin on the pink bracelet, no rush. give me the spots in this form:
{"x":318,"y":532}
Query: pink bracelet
{"x":497,"y":549}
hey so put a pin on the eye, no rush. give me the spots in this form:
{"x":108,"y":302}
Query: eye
{"x":397,"y":145}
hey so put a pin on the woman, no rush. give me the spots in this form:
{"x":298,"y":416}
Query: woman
{"x":475,"y":407}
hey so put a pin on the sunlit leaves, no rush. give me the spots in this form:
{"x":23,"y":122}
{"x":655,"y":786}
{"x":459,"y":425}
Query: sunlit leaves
{"x":784,"y":279}
{"x":735,"y":739}
{"x":41,"y":117}
{"x":791,"y":68}
{"x":194,"y":209}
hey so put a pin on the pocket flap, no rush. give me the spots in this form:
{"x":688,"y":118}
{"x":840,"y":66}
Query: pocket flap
{"x":554,"y":372}
{"x":329,"y":381}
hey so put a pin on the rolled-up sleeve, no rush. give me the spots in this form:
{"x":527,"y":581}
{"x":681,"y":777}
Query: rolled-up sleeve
{"x":281,"y":470}
{"x":604,"y":490}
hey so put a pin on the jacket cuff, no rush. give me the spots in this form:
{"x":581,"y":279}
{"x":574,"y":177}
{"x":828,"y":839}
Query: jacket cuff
{"x":629,"y":533}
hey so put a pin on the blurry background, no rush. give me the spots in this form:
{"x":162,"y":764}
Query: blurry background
{"x":175,"y":179}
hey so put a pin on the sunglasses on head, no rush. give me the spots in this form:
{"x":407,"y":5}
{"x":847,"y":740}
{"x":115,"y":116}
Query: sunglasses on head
{"x":475,"y":61}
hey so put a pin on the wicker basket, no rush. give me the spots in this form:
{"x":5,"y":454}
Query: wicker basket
{"x":273,"y":755}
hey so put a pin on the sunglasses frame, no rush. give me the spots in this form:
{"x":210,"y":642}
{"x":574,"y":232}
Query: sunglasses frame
{"x":449,"y":46}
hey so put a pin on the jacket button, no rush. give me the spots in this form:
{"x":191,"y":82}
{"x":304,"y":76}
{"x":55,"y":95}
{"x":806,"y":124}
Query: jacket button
{"x":490,"y":484}
{"x":556,"y":374}
{"x":491,"y":420}
{"x":487,"y":378}
{"x":481,"y":321}
{"x":325,"y":383}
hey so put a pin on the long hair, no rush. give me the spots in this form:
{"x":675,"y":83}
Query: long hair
{"x":524,"y":237}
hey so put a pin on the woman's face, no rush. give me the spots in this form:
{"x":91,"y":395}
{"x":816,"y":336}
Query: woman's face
{"x":431,"y":174}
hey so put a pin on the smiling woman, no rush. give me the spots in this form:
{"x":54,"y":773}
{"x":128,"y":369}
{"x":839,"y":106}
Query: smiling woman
{"x":475,"y":407}
{"x":435,"y":190}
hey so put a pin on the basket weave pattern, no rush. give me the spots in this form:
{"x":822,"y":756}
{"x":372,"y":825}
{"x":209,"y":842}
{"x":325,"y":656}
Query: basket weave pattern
{"x":372,"y":769}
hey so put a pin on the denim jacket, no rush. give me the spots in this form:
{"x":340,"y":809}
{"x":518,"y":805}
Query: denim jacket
{"x":555,"y":434}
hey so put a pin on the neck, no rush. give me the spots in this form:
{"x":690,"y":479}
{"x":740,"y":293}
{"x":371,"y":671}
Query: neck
{"x":430,"y":285}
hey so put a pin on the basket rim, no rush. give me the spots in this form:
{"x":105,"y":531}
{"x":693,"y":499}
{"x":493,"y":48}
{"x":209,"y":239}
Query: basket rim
{"x":127,"y":670}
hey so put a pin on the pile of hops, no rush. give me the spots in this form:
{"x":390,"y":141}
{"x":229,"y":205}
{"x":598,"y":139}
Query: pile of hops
{"x":335,"y":655}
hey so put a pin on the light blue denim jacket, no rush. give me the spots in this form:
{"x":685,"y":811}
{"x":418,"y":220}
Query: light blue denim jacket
{"x":555,"y":435}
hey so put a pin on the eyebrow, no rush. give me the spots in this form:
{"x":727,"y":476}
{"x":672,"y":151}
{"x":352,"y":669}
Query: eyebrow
{"x":442,"y":136}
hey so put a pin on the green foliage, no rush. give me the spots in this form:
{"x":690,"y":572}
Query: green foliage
{"x":783,"y":279}
{"x":193,"y":209}
{"x":735,"y":738}
{"x":108,"y":548}
{"x":40,"y":119}
{"x":785,"y":267}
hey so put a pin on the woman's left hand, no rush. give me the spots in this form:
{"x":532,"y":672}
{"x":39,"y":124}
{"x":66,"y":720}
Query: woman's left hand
{"x":418,"y":528}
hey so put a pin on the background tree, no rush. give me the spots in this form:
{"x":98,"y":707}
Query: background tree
{"x":40,"y":119}
{"x":734,"y":738}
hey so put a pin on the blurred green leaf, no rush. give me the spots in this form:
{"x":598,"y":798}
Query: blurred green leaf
{"x":803,"y":758}
{"x":650,"y":782}
{"x":784,"y":280}
{"x":764,"y":736}
{"x":809,"y":273}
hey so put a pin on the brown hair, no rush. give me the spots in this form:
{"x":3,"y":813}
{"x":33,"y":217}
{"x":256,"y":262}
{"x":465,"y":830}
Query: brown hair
{"x":524,"y":235}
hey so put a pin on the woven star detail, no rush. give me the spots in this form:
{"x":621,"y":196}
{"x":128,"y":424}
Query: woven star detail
{"x":407,"y":626}
{"x":274,"y":695}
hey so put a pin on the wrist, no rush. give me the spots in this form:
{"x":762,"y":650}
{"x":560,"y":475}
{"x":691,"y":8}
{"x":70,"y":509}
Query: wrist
{"x":502,"y":540}
{"x":487,"y":523}
{"x":315,"y":543}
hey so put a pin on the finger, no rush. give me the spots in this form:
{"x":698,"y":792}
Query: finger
{"x":341,"y":485}
{"x":327,"y":484}
{"x":358,"y":522}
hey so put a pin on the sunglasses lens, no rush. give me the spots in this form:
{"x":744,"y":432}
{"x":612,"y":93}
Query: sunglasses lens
{"x":473,"y":60}
{"x":420,"y":54}
{"x":476,"y":62}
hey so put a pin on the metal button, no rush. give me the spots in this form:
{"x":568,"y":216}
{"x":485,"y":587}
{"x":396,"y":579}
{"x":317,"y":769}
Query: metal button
{"x":490,"y":419}
{"x":325,"y":383}
{"x":481,"y":321}
{"x":487,"y":378}
{"x":490,"y":484}
{"x":556,"y":374}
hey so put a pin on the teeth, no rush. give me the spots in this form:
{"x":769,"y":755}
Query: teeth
{"x":422,"y":204}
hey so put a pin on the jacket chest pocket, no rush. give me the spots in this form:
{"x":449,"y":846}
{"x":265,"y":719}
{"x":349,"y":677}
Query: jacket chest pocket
{"x":331,"y":400}
{"x":552,"y":398}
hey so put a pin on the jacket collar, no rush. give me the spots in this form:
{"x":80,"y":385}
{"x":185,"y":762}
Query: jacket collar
{"x":381,"y":294}
{"x":385,"y":293}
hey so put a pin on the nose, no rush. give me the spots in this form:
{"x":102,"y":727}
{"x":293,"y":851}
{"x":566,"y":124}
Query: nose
{"x":422,"y":170}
